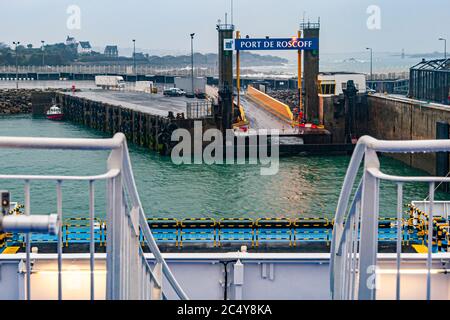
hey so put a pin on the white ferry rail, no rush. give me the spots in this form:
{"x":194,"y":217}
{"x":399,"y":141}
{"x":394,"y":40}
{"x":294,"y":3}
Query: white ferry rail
{"x":354,"y":248}
{"x":129,"y":276}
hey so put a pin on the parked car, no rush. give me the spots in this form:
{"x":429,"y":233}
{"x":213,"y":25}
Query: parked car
{"x":200,"y":95}
{"x":174,"y":92}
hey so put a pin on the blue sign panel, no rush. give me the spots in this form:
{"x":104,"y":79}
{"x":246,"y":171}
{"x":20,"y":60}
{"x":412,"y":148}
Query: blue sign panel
{"x":276,"y":44}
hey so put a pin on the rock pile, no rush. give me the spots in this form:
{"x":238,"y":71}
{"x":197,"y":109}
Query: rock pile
{"x":289,"y":97}
{"x":13,"y":101}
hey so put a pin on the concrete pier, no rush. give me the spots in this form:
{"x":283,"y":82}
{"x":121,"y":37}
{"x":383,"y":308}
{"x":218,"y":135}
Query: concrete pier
{"x":140,"y":125}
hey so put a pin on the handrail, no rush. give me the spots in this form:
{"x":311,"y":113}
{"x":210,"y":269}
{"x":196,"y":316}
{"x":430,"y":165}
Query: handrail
{"x":63,"y":143}
{"x":338,"y":238}
{"x":108,"y":175}
{"x":356,"y":198}
{"x":344,"y":198}
{"x":405,"y":146}
{"x":120,"y":167}
{"x":383,"y":176}
{"x":132,"y":189}
{"x":367,"y":148}
{"x":380,"y":146}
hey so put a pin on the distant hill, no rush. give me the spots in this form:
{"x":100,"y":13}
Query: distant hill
{"x":433,"y":55}
{"x":204,"y":60}
{"x":62,"y":54}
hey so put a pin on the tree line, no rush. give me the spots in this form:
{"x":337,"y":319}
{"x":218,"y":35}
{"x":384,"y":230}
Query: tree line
{"x":63,"y":54}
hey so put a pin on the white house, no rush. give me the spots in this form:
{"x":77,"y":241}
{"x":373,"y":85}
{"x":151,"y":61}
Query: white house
{"x":84,"y":47}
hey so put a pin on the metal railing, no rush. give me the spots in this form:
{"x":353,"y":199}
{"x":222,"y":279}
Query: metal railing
{"x":120,"y":69}
{"x":199,"y":110}
{"x":129,"y":276}
{"x":354,"y":247}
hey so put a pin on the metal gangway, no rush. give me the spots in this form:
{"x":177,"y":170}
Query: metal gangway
{"x":354,"y":247}
{"x":128,"y":274}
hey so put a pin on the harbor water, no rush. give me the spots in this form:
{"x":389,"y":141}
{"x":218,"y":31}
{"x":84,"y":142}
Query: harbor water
{"x":306,"y":186}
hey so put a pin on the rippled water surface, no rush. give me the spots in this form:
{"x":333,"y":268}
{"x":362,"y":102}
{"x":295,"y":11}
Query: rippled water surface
{"x":304,"y":186}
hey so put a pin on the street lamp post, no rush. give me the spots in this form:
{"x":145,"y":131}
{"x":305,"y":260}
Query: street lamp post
{"x":371,"y":62}
{"x":17,"y":63}
{"x":445,"y":46}
{"x":192,"y":62}
{"x":43,"y":53}
{"x":134,"y":58}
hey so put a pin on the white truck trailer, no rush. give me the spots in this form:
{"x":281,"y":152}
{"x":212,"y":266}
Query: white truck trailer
{"x":110,"y":82}
{"x":144,"y":86}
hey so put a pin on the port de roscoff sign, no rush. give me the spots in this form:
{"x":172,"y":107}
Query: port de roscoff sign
{"x":272,"y":44}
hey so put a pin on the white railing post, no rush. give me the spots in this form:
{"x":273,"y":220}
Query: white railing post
{"x":115,"y":210}
{"x":134,"y":254}
{"x":399,"y":236}
{"x":157,"y":288}
{"x":369,"y":229}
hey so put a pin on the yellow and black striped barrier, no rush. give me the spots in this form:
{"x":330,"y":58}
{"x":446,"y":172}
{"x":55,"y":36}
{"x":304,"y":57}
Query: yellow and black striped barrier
{"x":198,"y":223}
{"x":292,"y":231}
{"x":311,"y":223}
{"x":230,"y":235}
{"x":273,"y":230}
{"x":163,"y":223}
{"x":236,"y":223}
{"x":72,"y":232}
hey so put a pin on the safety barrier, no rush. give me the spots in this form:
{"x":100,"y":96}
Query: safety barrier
{"x":440,"y":230}
{"x":78,"y":230}
{"x":270,"y":230}
{"x":165,"y":230}
{"x":236,"y":230}
{"x":198,"y":230}
{"x":270,"y":104}
{"x":213,"y":233}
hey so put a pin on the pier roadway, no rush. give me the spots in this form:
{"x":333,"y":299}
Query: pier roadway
{"x":259,"y":118}
{"x":155,"y":104}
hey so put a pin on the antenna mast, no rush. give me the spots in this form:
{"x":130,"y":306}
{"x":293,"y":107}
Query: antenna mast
{"x":232,"y":11}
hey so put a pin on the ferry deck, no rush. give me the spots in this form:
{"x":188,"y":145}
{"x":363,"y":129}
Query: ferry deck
{"x":357,"y":255}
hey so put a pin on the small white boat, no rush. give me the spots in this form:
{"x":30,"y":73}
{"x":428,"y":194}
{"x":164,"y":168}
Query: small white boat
{"x":55,"y":113}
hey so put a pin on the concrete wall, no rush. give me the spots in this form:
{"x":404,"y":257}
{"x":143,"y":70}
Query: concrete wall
{"x":41,"y":102}
{"x":143,"y":129}
{"x":394,"y":119}
{"x":388,"y":118}
{"x":334,"y":116}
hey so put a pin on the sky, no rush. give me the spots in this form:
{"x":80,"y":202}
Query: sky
{"x":164,"y":26}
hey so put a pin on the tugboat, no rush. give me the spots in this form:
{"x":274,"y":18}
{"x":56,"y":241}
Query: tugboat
{"x":55,"y":114}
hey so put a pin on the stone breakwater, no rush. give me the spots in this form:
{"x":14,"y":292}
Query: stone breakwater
{"x":19,"y":101}
{"x":289,"y":97}
{"x":13,"y":101}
